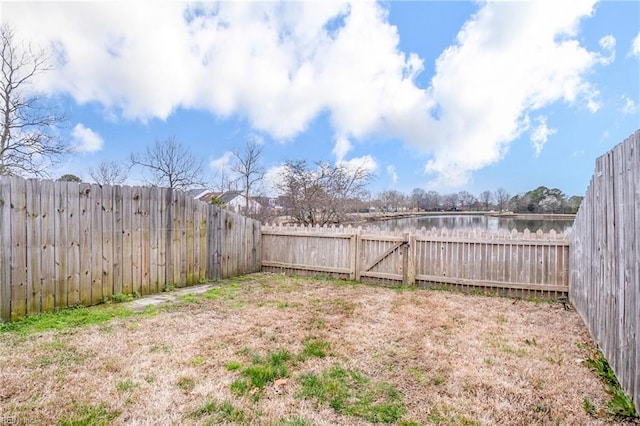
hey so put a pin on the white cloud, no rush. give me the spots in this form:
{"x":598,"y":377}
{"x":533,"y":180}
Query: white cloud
{"x":83,"y":139}
{"x":341,"y":148}
{"x":273,"y":179}
{"x":635,"y":46}
{"x":510,"y":59}
{"x":629,"y":106}
{"x":608,"y":43}
{"x":366,"y":163}
{"x":280,"y":65}
{"x":540,"y":135}
{"x":391,"y":171}
{"x":221,"y":163}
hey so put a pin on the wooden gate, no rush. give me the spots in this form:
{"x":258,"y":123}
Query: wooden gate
{"x":383,"y":258}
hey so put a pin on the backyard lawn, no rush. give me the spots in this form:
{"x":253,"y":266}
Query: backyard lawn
{"x":271,"y":349}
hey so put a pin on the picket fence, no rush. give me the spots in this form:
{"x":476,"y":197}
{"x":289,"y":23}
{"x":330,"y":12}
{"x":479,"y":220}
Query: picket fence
{"x":518,"y":263}
{"x":65,"y":243}
{"x":605,"y":261}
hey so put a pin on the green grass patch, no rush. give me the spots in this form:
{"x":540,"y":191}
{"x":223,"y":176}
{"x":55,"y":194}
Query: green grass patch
{"x":121,"y":298}
{"x":350,"y":393}
{"x":216,"y":412}
{"x":190,"y":298}
{"x":261,"y":372}
{"x":313,"y":347}
{"x":418,"y":374}
{"x":239,"y":387}
{"x":233,"y":365}
{"x":85,"y":415}
{"x":620,"y":405}
{"x":223,"y":291}
{"x":61,"y":319}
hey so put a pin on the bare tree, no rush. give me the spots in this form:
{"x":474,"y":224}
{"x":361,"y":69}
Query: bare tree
{"x":433,"y":201}
{"x":247,"y":167}
{"x":109,"y":173}
{"x":466,"y":200}
{"x":485,"y":199}
{"x":391,"y":200}
{"x":170,"y":164}
{"x":450,"y":201}
{"x":28,"y":146}
{"x":224,"y":182}
{"x":418,"y":197}
{"x":317,"y":194}
{"x":502,"y":198}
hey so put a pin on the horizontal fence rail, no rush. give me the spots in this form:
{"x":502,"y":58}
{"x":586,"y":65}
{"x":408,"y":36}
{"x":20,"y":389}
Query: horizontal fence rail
{"x":605,"y":265}
{"x":524,"y":263}
{"x":66,"y":243}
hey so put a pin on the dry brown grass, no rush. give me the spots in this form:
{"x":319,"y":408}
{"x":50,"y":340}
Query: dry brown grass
{"x":455,"y":359}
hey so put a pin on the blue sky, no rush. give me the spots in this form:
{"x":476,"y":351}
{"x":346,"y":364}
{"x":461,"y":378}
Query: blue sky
{"x":447,"y":96}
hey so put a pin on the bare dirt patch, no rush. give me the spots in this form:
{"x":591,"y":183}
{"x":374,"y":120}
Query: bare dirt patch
{"x":401,"y":356}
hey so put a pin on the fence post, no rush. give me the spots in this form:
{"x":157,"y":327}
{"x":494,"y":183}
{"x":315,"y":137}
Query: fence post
{"x":354,"y":275}
{"x":213,"y":234}
{"x":411,"y":260}
{"x":405,"y":259}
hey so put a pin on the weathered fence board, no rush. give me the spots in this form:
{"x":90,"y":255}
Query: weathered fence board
{"x":154,"y":240}
{"x":18,"y":247}
{"x":68,"y":243}
{"x":117,"y":261}
{"x":34,"y":240}
{"x":605,"y":260}
{"x":533,"y":264}
{"x":96,"y":244}
{"x":5,"y":251}
{"x":47,"y":224}
{"x":127,"y":241}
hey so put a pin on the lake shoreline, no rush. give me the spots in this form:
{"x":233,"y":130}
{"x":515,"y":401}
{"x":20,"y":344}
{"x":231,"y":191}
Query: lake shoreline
{"x":486,"y":221}
{"x":363,"y":218}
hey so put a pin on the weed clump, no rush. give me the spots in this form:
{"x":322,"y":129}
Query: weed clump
{"x":620,"y":405}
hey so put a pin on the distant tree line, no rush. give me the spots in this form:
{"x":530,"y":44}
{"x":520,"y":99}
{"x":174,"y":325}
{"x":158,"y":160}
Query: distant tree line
{"x":539,"y":200}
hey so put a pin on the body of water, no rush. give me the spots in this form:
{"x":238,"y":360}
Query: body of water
{"x":478,"y":222}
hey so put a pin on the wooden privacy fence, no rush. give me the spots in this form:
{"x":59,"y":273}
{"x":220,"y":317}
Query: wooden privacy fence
{"x":605,"y":261}
{"x":532,"y":264}
{"x":66,"y":243}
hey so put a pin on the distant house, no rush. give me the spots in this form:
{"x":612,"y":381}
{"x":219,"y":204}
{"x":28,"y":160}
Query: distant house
{"x":232,"y":200}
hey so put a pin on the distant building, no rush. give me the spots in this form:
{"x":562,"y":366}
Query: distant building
{"x":231,"y":200}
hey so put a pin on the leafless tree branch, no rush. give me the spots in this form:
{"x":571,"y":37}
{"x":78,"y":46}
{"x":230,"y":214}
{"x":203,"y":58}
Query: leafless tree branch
{"x":109,"y":173}
{"x":247,"y":168}
{"x":28,"y":145}
{"x":170,"y":164}
{"x":320,"y":194}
